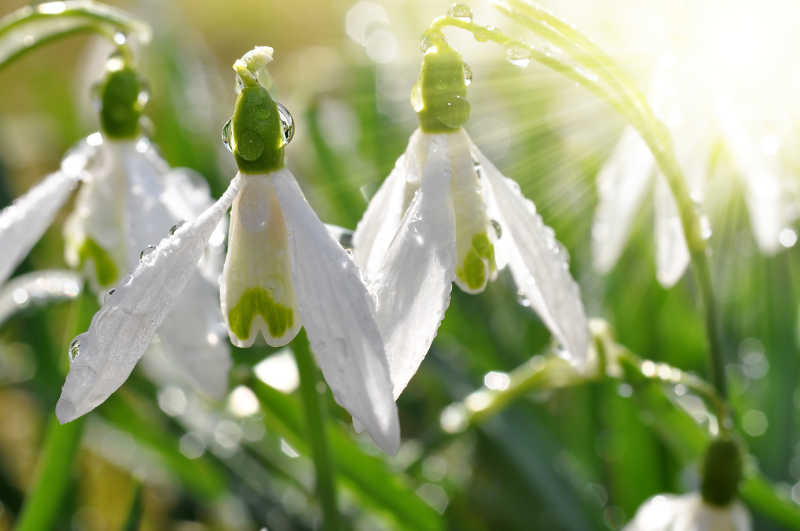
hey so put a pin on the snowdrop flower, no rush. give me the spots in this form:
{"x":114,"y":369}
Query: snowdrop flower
{"x":714,"y":508}
{"x":446,"y":214}
{"x":129,"y":198}
{"x":667,"y":512}
{"x":695,"y":121}
{"x":282,"y":271}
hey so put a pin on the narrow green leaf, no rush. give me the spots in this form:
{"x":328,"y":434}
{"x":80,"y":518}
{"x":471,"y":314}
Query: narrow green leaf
{"x":134,"y":519}
{"x":368,"y":477}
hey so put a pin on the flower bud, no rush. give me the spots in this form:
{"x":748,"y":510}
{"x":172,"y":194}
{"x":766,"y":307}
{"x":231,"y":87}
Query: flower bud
{"x":722,"y":471}
{"x":122,"y":99}
{"x":439,"y":96}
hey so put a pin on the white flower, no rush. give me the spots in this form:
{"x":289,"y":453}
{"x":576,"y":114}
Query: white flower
{"x":128,"y":200}
{"x":695,"y":122}
{"x":283,"y":270}
{"x":446,"y":214}
{"x":668,"y":512}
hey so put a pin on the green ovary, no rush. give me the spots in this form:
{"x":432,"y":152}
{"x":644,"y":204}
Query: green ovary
{"x":473,"y":268}
{"x":104,"y":267}
{"x":257,"y":301}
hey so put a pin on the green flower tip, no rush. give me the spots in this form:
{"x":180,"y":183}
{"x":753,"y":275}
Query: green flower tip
{"x":259,"y":128}
{"x":439,"y":96}
{"x":123,"y":95}
{"x":722,"y":471}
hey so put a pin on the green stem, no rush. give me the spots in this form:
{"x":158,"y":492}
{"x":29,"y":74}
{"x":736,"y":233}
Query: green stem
{"x":630,"y":102}
{"x":53,"y":471}
{"x":315,"y":418}
{"x":33,"y":26}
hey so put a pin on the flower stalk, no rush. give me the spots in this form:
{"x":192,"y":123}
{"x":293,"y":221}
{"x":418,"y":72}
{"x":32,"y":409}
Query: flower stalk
{"x":315,"y":421}
{"x":33,"y":26}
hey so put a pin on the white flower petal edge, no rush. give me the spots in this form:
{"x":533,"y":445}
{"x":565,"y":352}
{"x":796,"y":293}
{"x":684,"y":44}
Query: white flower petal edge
{"x":377,"y":229}
{"x":672,"y":253}
{"x":338,"y":315}
{"x":23,"y":222}
{"x":124,"y":326}
{"x":539,"y":265}
{"x":688,"y":512}
{"x":37,"y":287}
{"x":621,"y":185}
{"x":413,"y":286}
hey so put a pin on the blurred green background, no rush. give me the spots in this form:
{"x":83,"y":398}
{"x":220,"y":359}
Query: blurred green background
{"x":578,"y":459}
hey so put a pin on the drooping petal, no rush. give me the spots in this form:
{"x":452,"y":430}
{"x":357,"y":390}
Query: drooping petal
{"x":413,"y":286}
{"x":37,"y":287}
{"x":381,"y":221}
{"x":256,"y":289}
{"x":672,"y":253}
{"x":475,"y":262}
{"x":103,"y":357}
{"x":621,"y":185}
{"x":688,"y":512}
{"x":192,"y":339}
{"x":24,"y":221}
{"x":539,"y":264}
{"x":338,"y":315}
{"x":94,"y":231}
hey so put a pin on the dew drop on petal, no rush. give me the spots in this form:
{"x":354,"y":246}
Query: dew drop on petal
{"x":227,"y":133}
{"x":461,"y":12}
{"x":287,"y":123}
{"x":147,"y":250}
{"x":498,"y":229}
{"x":74,"y":349}
{"x":175,"y":227}
{"x":108,"y":294}
{"x":518,"y":54}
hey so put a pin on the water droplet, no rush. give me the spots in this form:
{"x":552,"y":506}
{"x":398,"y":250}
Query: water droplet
{"x":518,"y":54}
{"x":227,"y":135}
{"x":175,"y":227}
{"x":428,"y":41}
{"x":287,"y":123}
{"x":787,"y":237}
{"x":74,"y":349}
{"x":108,"y":294}
{"x":460,"y":12}
{"x":144,"y":94}
{"x":467,"y":74}
{"x":147,"y":250}
{"x":416,"y":98}
{"x":120,"y":38}
{"x":482,"y":34}
{"x":498,"y":229}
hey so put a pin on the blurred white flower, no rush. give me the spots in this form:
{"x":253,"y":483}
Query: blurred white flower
{"x":129,"y":200}
{"x":446,"y":214}
{"x":688,"y":512}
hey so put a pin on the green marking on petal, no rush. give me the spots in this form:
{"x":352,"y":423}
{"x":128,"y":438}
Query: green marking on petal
{"x":472,"y":273}
{"x":257,"y":301}
{"x":105,"y":268}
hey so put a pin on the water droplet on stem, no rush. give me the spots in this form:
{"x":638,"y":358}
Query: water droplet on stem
{"x":518,"y":54}
{"x":287,"y":123}
{"x":227,"y":133}
{"x":461,"y":12}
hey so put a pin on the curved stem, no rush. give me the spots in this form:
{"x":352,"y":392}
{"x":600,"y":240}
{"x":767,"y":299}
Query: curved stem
{"x":315,"y":413}
{"x":33,"y":26}
{"x":630,"y":102}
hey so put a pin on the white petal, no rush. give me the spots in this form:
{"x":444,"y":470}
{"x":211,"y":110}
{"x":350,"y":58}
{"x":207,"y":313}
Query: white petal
{"x":37,"y":287}
{"x":672,"y":254}
{"x":385,"y":211}
{"x":696,"y":515}
{"x":338,"y":315}
{"x":413,"y":287}
{"x":475,"y":264}
{"x":192,"y":340}
{"x":621,"y":185}
{"x":94,"y":231}
{"x":539,"y":264}
{"x":658,"y":513}
{"x":256,"y":290}
{"x":24,"y":221}
{"x":105,"y":355}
